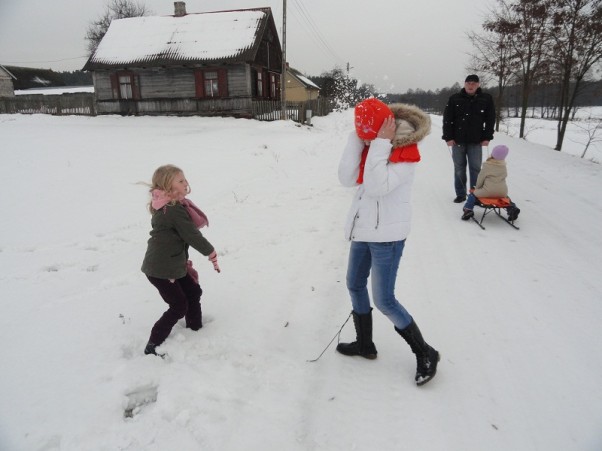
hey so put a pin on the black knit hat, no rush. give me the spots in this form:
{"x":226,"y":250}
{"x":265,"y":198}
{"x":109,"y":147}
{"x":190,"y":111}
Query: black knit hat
{"x":472,"y":77}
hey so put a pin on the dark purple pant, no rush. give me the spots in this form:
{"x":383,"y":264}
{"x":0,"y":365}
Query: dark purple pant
{"x":184,"y":299}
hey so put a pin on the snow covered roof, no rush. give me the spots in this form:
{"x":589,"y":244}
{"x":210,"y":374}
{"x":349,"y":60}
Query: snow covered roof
{"x":192,"y":38}
{"x":4,"y":69}
{"x":302,"y":78}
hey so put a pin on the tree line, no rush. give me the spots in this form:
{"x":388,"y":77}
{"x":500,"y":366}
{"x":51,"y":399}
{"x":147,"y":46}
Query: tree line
{"x":533,"y":53}
{"x":548,"y":47}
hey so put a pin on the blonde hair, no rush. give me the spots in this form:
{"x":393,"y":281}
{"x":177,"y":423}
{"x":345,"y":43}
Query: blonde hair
{"x":163,"y":178}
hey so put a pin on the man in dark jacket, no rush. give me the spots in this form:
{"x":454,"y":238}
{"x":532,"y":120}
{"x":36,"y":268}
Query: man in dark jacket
{"x":468,"y":122}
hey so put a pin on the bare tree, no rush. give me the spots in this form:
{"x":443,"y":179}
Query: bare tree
{"x":590,"y":128}
{"x":577,"y":35}
{"x":116,"y":9}
{"x":530,"y":22}
{"x":494,"y":56}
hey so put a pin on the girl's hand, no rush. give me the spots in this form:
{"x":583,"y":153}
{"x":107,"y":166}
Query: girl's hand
{"x":387,"y":130}
{"x":213,"y":259}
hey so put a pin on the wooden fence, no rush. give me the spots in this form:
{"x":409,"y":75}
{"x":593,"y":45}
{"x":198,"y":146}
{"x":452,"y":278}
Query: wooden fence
{"x":84,"y":104}
{"x":79,"y":103}
{"x":301,"y":112}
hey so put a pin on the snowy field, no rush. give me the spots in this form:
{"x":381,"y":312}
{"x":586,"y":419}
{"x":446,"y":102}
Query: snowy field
{"x":54,"y":91}
{"x":516,"y":315}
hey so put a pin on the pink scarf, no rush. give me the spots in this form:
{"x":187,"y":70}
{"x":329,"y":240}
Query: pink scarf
{"x":160,"y":199}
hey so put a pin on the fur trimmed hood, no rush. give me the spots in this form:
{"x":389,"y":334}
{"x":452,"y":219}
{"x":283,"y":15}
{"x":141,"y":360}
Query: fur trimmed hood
{"x":413,"y":124}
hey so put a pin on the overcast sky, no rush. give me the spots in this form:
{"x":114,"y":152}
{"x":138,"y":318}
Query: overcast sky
{"x":395,"y":45}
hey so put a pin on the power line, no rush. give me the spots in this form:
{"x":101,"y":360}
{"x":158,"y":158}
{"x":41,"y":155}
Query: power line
{"x":316,"y":32}
{"x":311,"y":28}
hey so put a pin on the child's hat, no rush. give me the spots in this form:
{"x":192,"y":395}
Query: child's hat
{"x":499,"y":152}
{"x":369,"y":117}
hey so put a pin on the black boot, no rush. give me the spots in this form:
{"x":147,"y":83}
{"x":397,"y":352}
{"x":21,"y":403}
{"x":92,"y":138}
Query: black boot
{"x":363,"y":345}
{"x":513,"y":212}
{"x":151,"y":348}
{"x":426,"y":357}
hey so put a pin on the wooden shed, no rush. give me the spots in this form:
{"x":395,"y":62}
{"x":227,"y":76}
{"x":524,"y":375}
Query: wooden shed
{"x":7,"y":88}
{"x":214,"y":63}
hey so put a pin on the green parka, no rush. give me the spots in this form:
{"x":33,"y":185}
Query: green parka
{"x":172,"y":233}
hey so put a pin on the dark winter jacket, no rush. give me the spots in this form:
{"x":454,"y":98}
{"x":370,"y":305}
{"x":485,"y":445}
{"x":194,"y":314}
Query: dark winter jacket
{"x":172,"y":233}
{"x":469,"y":119}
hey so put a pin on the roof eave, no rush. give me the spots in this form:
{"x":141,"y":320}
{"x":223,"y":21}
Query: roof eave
{"x":162,"y":62}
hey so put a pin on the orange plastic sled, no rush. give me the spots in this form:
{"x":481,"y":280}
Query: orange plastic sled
{"x":494,"y":205}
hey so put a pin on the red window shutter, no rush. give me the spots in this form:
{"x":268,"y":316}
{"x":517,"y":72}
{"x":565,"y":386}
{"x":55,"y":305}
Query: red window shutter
{"x":222,"y":82}
{"x":199,"y":83}
{"x":114,"y":85}
{"x":135,"y":86}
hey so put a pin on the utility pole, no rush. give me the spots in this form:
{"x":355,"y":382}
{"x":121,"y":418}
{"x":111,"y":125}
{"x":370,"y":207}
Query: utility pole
{"x":283,"y":75}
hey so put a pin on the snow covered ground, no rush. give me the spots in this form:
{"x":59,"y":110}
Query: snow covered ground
{"x":55,"y":91}
{"x":515,"y":314}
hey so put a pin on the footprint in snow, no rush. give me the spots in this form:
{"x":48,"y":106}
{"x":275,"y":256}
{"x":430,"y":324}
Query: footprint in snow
{"x":139,"y":398}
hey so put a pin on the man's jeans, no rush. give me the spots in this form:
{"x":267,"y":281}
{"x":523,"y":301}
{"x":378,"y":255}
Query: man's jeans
{"x":383,"y":259}
{"x":461,"y":154}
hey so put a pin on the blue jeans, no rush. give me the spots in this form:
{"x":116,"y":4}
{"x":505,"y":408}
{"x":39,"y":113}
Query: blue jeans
{"x":461,"y":154}
{"x":383,"y":259}
{"x":471,"y":200}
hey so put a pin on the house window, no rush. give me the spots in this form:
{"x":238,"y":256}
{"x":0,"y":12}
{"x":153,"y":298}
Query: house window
{"x":259,"y":84}
{"x":125,"y":85}
{"x":211,"y":83}
{"x":274,"y":86}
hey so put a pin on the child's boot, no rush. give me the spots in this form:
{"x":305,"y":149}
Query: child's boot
{"x":512,"y":213}
{"x":151,"y":348}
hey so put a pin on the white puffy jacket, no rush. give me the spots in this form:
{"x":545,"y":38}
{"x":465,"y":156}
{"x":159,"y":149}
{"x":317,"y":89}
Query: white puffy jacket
{"x":381,"y":210}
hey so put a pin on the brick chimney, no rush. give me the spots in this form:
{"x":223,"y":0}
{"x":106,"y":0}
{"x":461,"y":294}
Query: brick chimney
{"x":179,"y":9}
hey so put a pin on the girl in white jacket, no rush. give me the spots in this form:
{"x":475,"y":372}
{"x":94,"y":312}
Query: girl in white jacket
{"x":379,"y":160}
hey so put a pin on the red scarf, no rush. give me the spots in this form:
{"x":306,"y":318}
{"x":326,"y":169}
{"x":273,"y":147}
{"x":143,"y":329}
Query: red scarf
{"x":405,"y":154}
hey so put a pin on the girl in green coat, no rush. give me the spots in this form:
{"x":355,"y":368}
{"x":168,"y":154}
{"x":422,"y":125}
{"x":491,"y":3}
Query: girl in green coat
{"x":175,"y":227}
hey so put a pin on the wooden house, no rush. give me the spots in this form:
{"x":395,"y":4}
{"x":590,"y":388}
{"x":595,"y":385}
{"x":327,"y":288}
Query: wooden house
{"x":214,"y":63}
{"x":299,"y":88}
{"x":7,"y":88}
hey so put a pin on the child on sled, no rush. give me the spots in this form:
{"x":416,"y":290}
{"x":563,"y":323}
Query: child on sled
{"x":491,"y":183}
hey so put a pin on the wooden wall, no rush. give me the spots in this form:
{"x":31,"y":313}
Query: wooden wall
{"x":171,"y":83}
{"x":6,"y":85}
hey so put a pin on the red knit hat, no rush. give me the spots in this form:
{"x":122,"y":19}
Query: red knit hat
{"x":369,"y":117}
